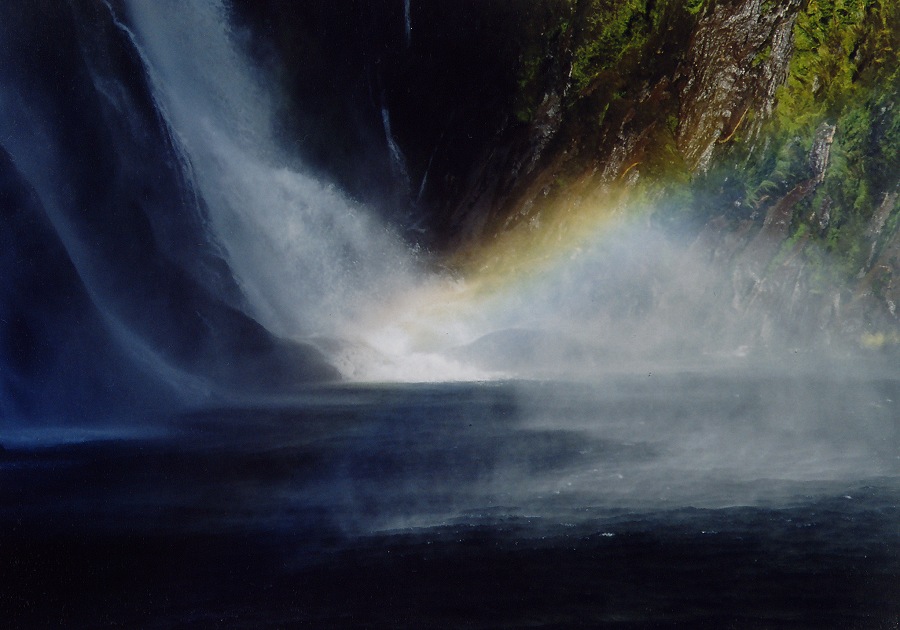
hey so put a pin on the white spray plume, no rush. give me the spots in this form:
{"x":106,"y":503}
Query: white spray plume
{"x":312,"y":264}
{"x":308,"y":260}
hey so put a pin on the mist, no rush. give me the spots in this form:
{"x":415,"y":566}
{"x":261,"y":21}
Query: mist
{"x":313,"y":265}
{"x":248,"y":374}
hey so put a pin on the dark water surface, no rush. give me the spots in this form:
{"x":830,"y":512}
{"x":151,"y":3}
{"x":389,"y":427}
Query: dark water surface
{"x":650,"y":501}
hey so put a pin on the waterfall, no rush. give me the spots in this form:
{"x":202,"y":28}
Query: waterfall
{"x":307,"y":259}
{"x":407,"y":21}
{"x":398,"y":160}
{"x":424,"y":182}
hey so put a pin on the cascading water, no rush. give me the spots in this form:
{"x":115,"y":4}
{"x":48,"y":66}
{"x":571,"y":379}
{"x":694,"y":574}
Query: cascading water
{"x":407,"y":22}
{"x":312,"y":264}
{"x":398,"y":161}
{"x":309,"y":261}
{"x":151,"y":217}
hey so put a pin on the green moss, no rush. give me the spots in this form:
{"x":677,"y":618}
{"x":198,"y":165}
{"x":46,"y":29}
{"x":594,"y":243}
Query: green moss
{"x":789,"y":245}
{"x":694,"y":6}
{"x":611,"y":30}
{"x":844,"y":71}
{"x":672,"y":123}
{"x":541,"y":39}
{"x":822,"y":75}
{"x":892,"y":225}
{"x":761,"y":57}
{"x":529,"y":70}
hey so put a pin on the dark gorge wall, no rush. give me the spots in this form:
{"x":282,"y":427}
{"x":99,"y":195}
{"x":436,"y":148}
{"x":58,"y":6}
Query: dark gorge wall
{"x":493,"y":105}
{"x":764,"y":132}
{"x":51,"y":331}
{"x":448,"y":87}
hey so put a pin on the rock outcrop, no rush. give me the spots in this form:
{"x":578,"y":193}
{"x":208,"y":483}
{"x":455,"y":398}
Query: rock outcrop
{"x":736,"y":60}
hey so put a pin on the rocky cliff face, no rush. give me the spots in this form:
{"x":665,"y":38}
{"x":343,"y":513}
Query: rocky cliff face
{"x":736,"y":60}
{"x":661,"y":97}
{"x":768,"y":130}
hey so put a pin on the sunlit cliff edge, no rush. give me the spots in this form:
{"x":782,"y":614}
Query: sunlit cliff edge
{"x":765,"y":135}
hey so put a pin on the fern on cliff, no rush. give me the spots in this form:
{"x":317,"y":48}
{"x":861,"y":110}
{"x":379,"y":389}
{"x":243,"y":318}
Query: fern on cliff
{"x":844,"y":72}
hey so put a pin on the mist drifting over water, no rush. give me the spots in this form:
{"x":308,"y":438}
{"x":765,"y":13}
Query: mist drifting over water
{"x":626,"y":299}
{"x":231,"y":391}
{"x":313,"y":266}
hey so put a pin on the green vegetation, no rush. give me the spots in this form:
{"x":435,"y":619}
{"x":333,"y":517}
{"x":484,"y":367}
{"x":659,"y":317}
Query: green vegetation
{"x":845,"y":71}
{"x":695,"y":6}
{"x":611,"y":29}
{"x":762,"y":56}
{"x":603,"y":57}
{"x":543,"y":36}
{"x":595,"y":45}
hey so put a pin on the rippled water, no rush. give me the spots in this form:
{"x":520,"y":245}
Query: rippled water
{"x":680,"y":499}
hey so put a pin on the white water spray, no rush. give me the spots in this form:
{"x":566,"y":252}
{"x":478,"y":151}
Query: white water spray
{"x":313,"y":264}
{"x":308,"y":260}
{"x":310,"y":263}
